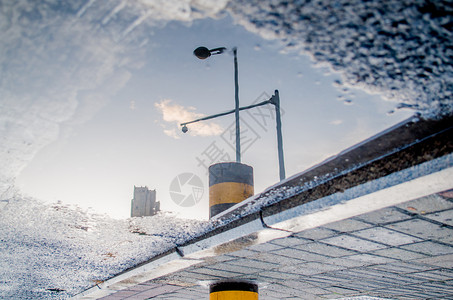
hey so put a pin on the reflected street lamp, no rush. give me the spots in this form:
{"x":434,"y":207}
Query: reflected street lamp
{"x":203,"y":53}
{"x":274,"y":100}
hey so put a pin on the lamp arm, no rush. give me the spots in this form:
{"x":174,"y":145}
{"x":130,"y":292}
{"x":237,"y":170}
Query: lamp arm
{"x":228,"y":112}
{"x":217,"y":50}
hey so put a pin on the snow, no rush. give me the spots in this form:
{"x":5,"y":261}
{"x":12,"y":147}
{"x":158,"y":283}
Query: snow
{"x":56,"y":251}
{"x":401,"y":48}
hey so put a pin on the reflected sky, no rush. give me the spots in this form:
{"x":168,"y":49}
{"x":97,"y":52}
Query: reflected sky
{"x":92,"y":95}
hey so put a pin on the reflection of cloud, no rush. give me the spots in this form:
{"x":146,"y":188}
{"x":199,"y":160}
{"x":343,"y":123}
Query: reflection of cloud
{"x":57,"y":68}
{"x":176,"y":114}
{"x":172,"y":133}
{"x":63,"y":62}
{"x":336,"y":122}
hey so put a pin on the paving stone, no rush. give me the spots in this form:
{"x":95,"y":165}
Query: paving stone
{"x":384,"y":216}
{"x":300,"y":255}
{"x":298,"y":284}
{"x":310,"y":268}
{"x":156,"y":291}
{"x":354,"y":277}
{"x":344,"y":262}
{"x":402,"y":267}
{"x":424,"y":229}
{"x":333,"y":296}
{"x":445,"y":217}
{"x":182,"y":296}
{"x":318,"y":233}
{"x":289,"y":241}
{"x":360,"y":296}
{"x":183,"y":282}
{"x":380,"y":295}
{"x":341,"y":290}
{"x":424,"y":295}
{"x":235,"y":268}
{"x":216,"y":259}
{"x":347,"y":225}
{"x":276,"y":275}
{"x":214,"y":272}
{"x":397,"y":290}
{"x":332,"y":278}
{"x":278,"y":259}
{"x":386,"y":236}
{"x":369,"y":259}
{"x":277,"y":287}
{"x":399,"y":254}
{"x":245,"y":253}
{"x":257,"y":264}
{"x":436,"y":286}
{"x":362,"y":285}
{"x":123,"y":294}
{"x":429,"y":248}
{"x":438,"y":275}
{"x":319,"y":280}
{"x":445,"y":261}
{"x":316,"y":291}
{"x":354,"y":243}
{"x":446,"y":286}
{"x":250,"y":277}
{"x":426,"y":204}
{"x":324,"y":249}
{"x":272,"y":294}
{"x":194,"y":276}
{"x":383,"y":276}
{"x":265,"y":247}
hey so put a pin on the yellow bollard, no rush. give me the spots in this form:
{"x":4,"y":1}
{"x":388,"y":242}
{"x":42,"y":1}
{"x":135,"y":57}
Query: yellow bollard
{"x":233,"y":290}
{"x":229,"y":184}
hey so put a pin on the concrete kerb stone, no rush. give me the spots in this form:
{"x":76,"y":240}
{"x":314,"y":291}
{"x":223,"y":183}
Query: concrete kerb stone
{"x":425,"y":179}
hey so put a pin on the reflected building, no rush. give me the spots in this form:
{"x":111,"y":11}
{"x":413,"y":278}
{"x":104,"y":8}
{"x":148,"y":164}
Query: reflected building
{"x":144,"y":202}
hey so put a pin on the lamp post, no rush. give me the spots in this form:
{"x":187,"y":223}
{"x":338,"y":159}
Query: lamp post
{"x":203,"y":53}
{"x":232,"y":182}
{"x":274,"y":100}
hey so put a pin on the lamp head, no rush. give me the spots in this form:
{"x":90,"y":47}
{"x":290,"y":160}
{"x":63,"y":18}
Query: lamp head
{"x":184,"y":129}
{"x":202,"y":52}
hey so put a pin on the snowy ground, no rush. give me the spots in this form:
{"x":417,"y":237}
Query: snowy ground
{"x":400,"y":48}
{"x":56,"y":251}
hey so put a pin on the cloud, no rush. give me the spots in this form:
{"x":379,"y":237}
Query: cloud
{"x":175,"y":114}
